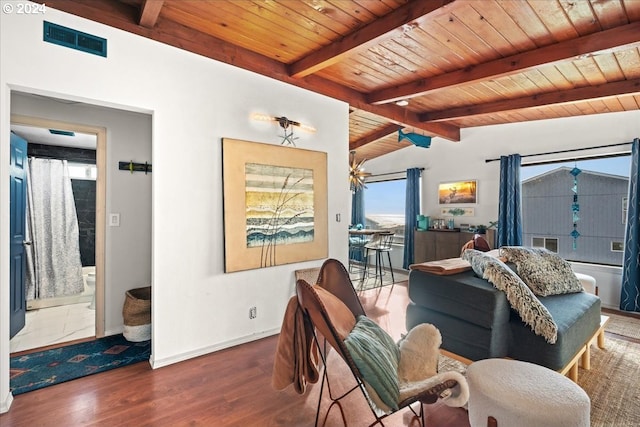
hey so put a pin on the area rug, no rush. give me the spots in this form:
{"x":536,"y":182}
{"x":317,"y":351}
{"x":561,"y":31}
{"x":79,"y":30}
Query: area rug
{"x":45,"y":368}
{"x":623,"y":325}
{"x":612,"y":384}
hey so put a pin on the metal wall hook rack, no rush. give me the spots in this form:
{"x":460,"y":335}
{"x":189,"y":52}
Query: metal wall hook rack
{"x":135,"y":167}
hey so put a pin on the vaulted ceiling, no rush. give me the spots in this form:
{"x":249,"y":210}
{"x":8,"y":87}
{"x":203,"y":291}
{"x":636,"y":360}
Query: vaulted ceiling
{"x":459,"y":63}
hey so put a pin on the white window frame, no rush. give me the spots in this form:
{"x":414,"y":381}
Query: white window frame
{"x":617,"y":250}
{"x":545,"y":239}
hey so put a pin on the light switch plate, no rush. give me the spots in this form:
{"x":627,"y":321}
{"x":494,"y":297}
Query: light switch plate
{"x":114,"y":220}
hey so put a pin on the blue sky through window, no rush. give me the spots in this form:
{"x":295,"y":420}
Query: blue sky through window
{"x":385,"y":198}
{"x":614,"y":166}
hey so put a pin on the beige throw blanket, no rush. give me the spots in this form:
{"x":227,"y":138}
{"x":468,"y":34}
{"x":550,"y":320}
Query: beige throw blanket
{"x":296,"y":359}
{"x":443,"y":267}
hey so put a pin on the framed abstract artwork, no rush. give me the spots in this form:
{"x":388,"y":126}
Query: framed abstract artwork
{"x":275,"y":205}
{"x":458,"y":192}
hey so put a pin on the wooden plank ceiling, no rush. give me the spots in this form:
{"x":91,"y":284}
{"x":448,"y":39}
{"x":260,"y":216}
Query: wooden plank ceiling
{"x":459,"y":63}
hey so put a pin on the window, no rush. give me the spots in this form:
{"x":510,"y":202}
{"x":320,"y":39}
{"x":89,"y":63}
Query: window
{"x":617,"y":247}
{"x":548,"y":243}
{"x":82,"y":171}
{"x":547,"y":208}
{"x":384,"y":204}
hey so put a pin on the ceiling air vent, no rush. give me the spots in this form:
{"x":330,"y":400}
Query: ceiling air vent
{"x":63,"y":36}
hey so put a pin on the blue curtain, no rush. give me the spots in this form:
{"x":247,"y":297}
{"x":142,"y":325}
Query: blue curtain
{"x":357,"y":208}
{"x":357,"y":217}
{"x":411,"y":212}
{"x":509,"y":203}
{"x":630,"y":296}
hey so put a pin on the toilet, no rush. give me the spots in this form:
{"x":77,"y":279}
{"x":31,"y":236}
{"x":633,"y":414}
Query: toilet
{"x":90,"y":280}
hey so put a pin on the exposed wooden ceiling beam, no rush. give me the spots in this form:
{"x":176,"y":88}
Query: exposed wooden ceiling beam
{"x":149,"y":12}
{"x":618,"y":38}
{"x":374,"y":136}
{"x":124,"y":17}
{"x":624,"y":87}
{"x":387,"y":26}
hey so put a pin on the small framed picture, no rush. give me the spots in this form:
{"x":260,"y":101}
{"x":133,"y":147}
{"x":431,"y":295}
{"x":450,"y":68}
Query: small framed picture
{"x":458,"y":192}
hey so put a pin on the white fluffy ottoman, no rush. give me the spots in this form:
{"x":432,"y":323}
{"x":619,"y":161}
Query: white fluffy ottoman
{"x":522,"y":394}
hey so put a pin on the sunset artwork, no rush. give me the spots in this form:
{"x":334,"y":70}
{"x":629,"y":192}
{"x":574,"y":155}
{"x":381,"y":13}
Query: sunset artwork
{"x":279,"y":208}
{"x":458,"y":192}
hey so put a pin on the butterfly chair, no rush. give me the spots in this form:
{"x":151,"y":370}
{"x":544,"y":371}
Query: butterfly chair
{"x":390,"y":376}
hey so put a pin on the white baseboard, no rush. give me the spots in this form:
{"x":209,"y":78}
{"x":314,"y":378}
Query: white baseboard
{"x":159,"y":363}
{"x":6,"y":403}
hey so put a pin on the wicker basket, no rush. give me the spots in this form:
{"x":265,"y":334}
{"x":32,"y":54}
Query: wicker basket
{"x":136,"y":313}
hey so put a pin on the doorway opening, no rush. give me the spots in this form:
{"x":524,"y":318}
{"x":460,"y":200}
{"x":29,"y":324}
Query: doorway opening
{"x":52,"y":319}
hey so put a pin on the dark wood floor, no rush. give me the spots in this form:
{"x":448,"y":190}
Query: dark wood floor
{"x":231,"y":387}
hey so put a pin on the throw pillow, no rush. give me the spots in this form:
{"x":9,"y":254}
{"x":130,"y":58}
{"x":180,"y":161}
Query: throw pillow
{"x":543,"y":271}
{"x":376,"y":356}
{"x":522,"y":299}
{"x":478,"y":260}
{"x":341,"y":317}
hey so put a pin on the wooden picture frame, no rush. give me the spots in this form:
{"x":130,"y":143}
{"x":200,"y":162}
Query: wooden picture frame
{"x":275,"y":205}
{"x":458,"y":192}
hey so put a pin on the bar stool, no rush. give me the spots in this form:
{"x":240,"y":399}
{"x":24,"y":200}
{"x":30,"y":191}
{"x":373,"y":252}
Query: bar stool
{"x":380,"y":243}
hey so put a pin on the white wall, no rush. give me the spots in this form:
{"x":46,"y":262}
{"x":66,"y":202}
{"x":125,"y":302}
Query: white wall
{"x":128,"y":247}
{"x":452,"y":161}
{"x":194,"y":102}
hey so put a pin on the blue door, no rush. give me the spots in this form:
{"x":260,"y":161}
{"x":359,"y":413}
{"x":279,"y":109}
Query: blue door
{"x":17,"y":224}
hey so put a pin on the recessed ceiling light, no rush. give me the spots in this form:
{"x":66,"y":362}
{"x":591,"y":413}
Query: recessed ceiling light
{"x":402,"y":103}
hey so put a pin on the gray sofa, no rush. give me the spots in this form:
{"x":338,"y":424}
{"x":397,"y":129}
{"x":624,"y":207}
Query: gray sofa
{"x":477,"y":322}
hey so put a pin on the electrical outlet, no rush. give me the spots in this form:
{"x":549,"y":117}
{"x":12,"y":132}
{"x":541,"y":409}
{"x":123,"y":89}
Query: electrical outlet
{"x":253,"y":313}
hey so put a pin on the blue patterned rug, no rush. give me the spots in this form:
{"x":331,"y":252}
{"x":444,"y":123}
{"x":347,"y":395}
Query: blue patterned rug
{"x":45,"y":368}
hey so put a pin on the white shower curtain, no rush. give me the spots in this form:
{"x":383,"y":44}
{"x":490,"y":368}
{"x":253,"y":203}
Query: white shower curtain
{"x":54,"y":268}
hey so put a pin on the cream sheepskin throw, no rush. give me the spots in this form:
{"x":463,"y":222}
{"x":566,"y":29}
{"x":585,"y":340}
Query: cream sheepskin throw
{"x":418,"y":366}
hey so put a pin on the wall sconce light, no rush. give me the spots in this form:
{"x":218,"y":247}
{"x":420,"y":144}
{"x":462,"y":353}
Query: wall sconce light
{"x":286,"y":125}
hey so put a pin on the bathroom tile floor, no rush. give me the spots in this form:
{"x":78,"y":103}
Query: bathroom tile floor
{"x":53,"y":325}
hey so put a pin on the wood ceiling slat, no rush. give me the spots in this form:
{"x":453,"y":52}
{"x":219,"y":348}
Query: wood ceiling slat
{"x":402,"y":48}
{"x":504,"y":25}
{"x":376,"y":135}
{"x":582,"y":16}
{"x":422,"y":42}
{"x":387,"y":26}
{"x":483,"y":29}
{"x":541,"y":81}
{"x":553,"y":74}
{"x":304,"y":17}
{"x":255,"y":20}
{"x":613,"y":104}
{"x":529,"y":25}
{"x":224,"y":31}
{"x":456,"y":37}
{"x":361,"y":14}
{"x":572,"y":74}
{"x":552,"y":15}
{"x":609,"y":66}
{"x":610,"y":13}
{"x":633,"y":9}
{"x":629,"y":60}
{"x":628,"y":103}
{"x":590,"y":70}
{"x":325,"y":16}
{"x":539,"y":99}
{"x":594,"y":43}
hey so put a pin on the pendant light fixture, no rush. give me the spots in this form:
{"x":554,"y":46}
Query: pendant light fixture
{"x":357,"y":174}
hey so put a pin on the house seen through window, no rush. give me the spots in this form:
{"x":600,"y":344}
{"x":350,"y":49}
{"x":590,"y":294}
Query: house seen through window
{"x":547,"y":199}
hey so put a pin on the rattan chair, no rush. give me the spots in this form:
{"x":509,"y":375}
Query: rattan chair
{"x":328,"y":320}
